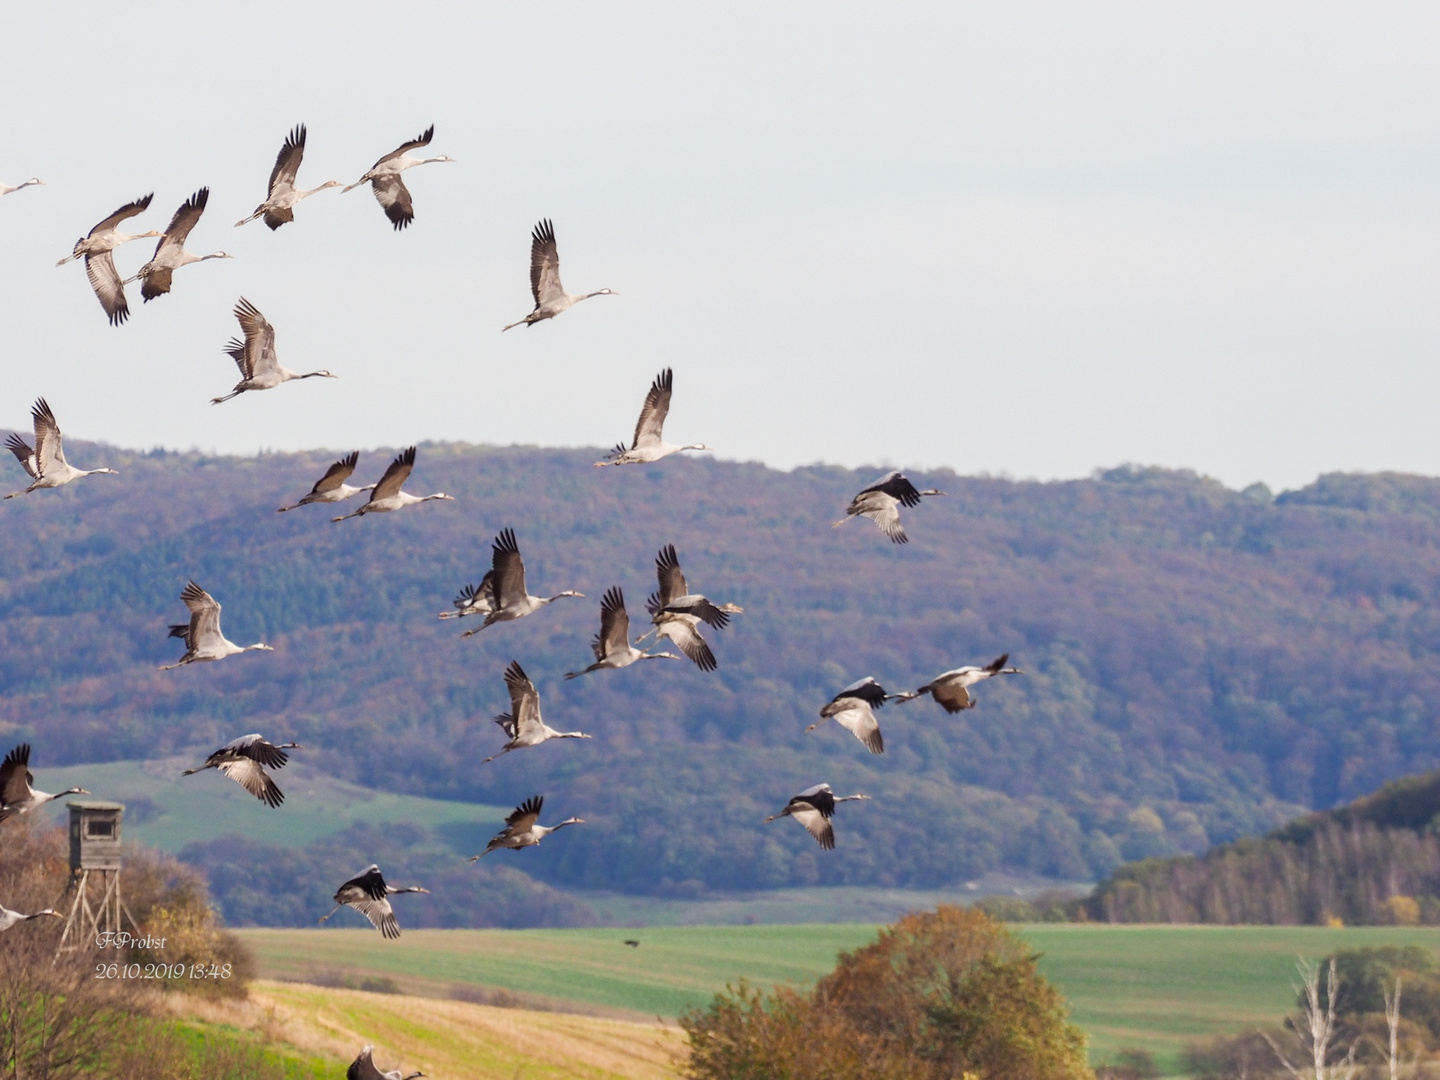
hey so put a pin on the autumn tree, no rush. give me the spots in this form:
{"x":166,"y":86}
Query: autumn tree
{"x":938,"y":994}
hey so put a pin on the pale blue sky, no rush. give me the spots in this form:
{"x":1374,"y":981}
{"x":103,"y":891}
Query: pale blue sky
{"x":1029,"y":239}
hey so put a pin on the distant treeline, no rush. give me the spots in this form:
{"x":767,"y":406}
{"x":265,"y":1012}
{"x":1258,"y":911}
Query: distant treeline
{"x":1375,"y":861}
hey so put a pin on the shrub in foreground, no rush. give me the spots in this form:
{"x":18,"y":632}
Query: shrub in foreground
{"x":938,"y":994}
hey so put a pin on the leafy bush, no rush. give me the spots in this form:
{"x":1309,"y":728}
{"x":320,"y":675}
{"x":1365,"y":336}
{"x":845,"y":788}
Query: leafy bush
{"x":940,"y":994}
{"x":1367,"y":974}
{"x":170,"y":901}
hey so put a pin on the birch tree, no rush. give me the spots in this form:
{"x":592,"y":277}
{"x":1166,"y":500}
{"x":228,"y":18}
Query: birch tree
{"x":1315,"y":1027}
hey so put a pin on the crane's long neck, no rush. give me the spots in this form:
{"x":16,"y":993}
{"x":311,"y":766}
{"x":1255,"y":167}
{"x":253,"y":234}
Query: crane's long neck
{"x":849,"y":798}
{"x":561,"y":824}
{"x":260,"y":645}
{"x":185,"y":258}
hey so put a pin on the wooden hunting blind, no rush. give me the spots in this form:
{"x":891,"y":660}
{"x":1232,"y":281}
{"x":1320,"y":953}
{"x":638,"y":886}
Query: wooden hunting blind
{"x":94,"y":850}
{"x":95,"y":835}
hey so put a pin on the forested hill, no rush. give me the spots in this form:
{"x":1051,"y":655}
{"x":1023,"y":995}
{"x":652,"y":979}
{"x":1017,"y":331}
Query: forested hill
{"x":1375,"y":860}
{"x":1203,"y":663}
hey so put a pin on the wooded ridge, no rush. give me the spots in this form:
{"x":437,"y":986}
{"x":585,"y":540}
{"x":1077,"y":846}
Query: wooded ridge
{"x":1202,"y":663}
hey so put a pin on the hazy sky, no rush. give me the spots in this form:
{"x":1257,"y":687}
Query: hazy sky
{"x":1028,"y":239}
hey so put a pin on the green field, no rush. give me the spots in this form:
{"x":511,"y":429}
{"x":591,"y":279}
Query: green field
{"x":673,"y":969}
{"x":168,"y":810}
{"x":1150,"y":987}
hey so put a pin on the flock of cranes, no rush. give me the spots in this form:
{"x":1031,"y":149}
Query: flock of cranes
{"x":502,"y":595}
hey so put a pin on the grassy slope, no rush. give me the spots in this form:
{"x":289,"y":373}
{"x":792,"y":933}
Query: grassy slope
{"x":455,"y":1040}
{"x":177,"y":810}
{"x":674,"y":968}
{"x":296,"y":1062}
{"x":1153,"y":987}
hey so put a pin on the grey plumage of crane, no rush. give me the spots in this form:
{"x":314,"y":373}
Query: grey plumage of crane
{"x":649,"y":444}
{"x":853,"y":709}
{"x":523,"y":723}
{"x":202,"y":636}
{"x":676,"y":612}
{"x":952,"y":688}
{"x":45,"y":462}
{"x":386,"y":496}
{"x":282,"y":194}
{"x":550,"y":296}
{"x":813,"y":808}
{"x":245,"y":760}
{"x":364,"y":1068}
{"x":170,"y":253}
{"x":521,"y":828}
{"x":17,"y":793}
{"x":474,"y":599}
{"x":255,"y":356}
{"x":385,"y":180}
{"x":611,"y":645}
{"x":331,"y":488}
{"x":510,"y":597}
{"x":96,"y":247}
{"x":368,"y":894}
{"x":881,"y":503}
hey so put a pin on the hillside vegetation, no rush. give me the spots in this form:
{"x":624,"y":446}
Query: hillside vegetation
{"x":1373,"y":861}
{"x":1203,"y":663}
